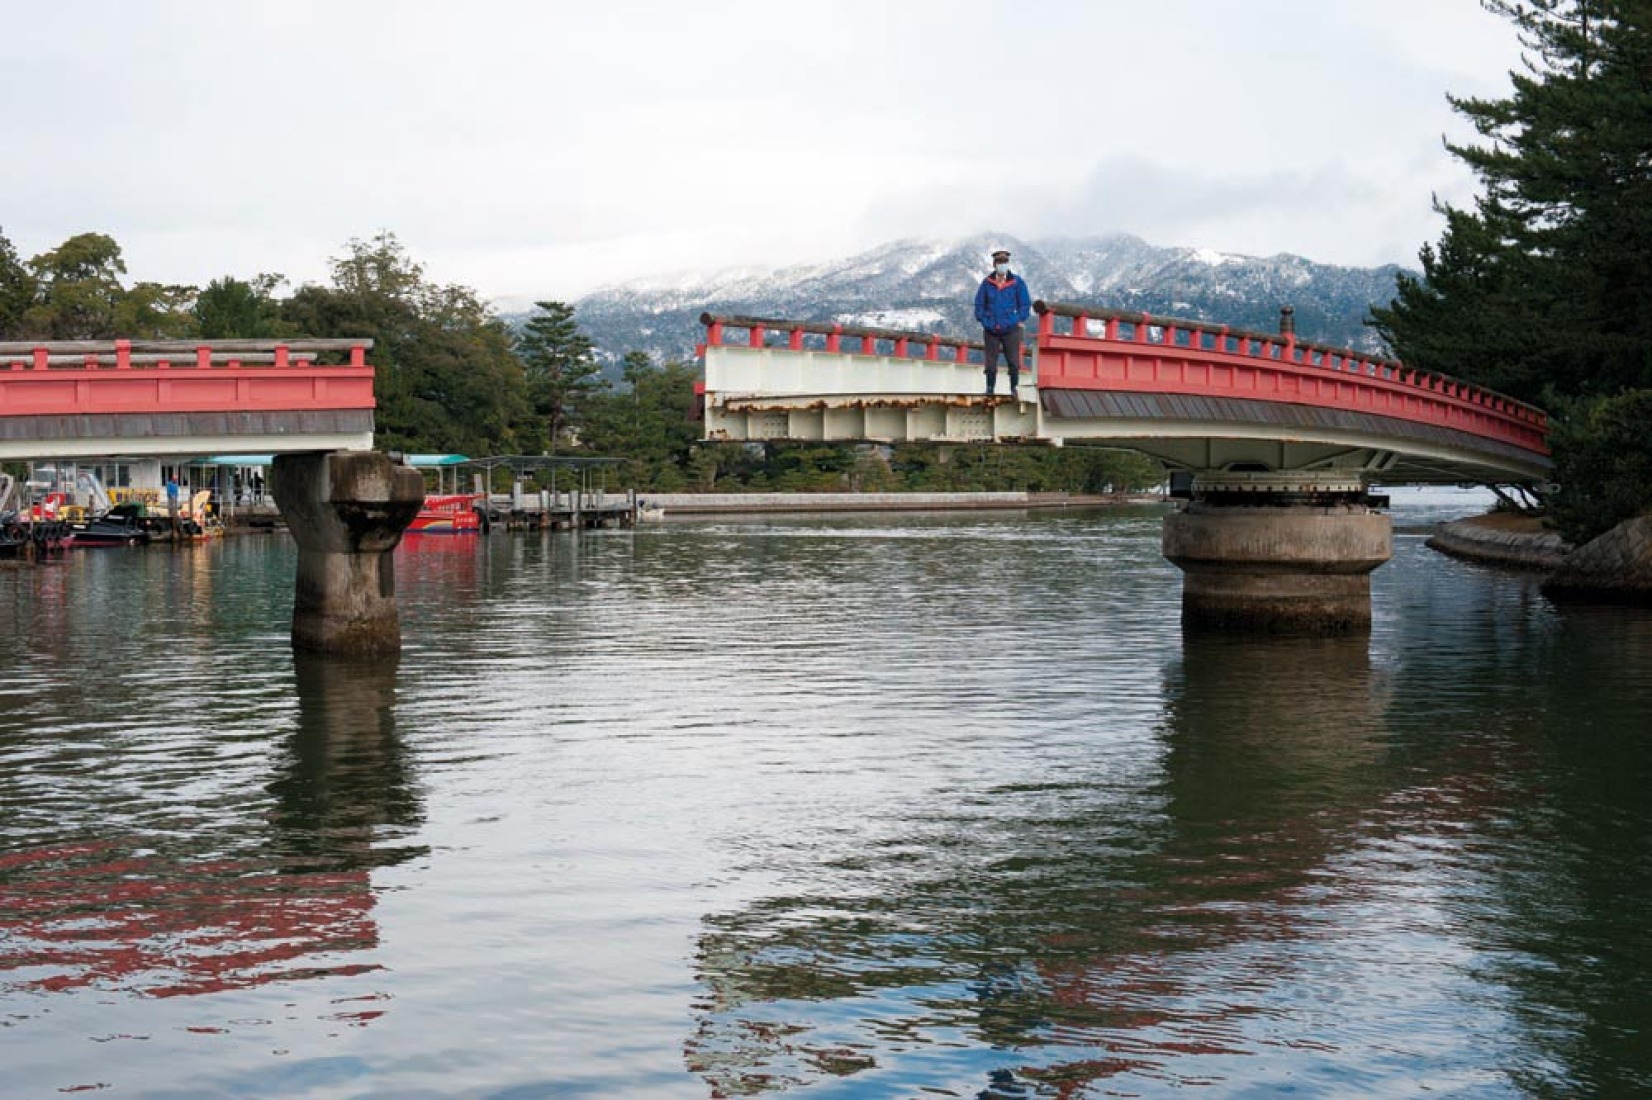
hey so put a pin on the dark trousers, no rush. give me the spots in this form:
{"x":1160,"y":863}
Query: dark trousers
{"x":1008,"y":343}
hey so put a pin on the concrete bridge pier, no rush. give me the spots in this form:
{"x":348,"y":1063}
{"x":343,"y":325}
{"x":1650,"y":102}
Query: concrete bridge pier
{"x":1278,"y":553}
{"x":347,"y":511}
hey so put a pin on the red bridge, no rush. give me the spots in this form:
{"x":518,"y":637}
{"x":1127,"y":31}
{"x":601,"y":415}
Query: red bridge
{"x":1198,"y":396}
{"x":179,"y":397}
{"x":1279,"y":439}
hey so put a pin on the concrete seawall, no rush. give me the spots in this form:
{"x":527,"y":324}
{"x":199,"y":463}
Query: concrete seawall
{"x":680,"y":504}
{"x":1516,"y":542}
{"x":1614,"y":568}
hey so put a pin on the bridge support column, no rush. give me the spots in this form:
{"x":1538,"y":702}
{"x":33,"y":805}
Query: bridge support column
{"x":1265,"y":555}
{"x":347,"y":511}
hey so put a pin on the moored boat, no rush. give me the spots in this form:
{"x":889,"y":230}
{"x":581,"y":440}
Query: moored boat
{"x":448,"y":514}
{"x":122,"y":525}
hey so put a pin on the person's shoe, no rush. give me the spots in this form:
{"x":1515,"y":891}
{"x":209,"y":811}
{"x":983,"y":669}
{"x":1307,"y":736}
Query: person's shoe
{"x":1014,"y":396}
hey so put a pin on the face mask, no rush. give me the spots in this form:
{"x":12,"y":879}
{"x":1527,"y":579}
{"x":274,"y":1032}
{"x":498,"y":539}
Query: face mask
{"x":1001,"y":269}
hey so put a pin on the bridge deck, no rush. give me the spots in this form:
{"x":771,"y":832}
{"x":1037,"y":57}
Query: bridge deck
{"x":95,"y":398}
{"x":1195,"y":396}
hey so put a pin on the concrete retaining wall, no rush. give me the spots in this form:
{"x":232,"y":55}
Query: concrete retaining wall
{"x":694,"y":503}
{"x":1540,"y":551}
{"x":1616,"y":567}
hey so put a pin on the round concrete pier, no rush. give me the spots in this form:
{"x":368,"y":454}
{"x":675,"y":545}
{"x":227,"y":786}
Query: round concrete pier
{"x":347,"y":511}
{"x":1292,"y":568}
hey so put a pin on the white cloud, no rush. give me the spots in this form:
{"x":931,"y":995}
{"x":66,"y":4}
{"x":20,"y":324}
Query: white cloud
{"x":533,"y":149}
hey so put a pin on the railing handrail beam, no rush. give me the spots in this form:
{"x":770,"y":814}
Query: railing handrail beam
{"x":179,"y":347}
{"x":1349,"y":360}
{"x":828,"y":328}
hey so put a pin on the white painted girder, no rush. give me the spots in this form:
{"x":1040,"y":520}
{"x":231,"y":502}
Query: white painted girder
{"x":778,"y":394}
{"x":24,"y":450}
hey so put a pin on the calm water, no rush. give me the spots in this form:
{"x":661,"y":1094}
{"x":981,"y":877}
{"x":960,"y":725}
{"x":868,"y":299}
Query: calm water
{"x":853,"y":807}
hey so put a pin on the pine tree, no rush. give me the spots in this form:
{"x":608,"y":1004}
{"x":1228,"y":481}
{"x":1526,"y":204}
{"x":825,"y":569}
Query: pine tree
{"x":560,"y":365}
{"x":1544,"y":290}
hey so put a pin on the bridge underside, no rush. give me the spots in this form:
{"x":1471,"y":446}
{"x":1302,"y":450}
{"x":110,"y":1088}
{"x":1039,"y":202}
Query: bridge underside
{"x":184,"y":433}
{"x":1184,"y":432}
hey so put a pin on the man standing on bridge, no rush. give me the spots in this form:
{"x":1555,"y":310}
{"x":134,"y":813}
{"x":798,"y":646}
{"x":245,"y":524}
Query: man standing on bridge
{"x":1002,"y":305}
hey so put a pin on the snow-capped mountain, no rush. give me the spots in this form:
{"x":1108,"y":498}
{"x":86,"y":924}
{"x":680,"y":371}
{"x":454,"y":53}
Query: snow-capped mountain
{"x":929,"y":286}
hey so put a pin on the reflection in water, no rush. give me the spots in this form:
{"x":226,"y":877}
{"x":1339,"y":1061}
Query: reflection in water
{"x":879,"y":806}
{"x":344,"y":784}
{"x":165,"y":915}
{"x":1085,"y":952}
{"x":1569,"y":852}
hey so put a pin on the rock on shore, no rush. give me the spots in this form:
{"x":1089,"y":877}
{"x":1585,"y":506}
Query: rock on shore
{"x":1615,"y":568}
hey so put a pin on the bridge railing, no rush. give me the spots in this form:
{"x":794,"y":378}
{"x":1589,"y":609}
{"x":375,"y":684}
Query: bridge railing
{"x":761,"y":332}
{"x":1130,"y":327}
{"x":169,"y":354}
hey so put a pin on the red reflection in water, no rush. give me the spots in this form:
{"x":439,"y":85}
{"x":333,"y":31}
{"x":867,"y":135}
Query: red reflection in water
{"x":162,"y":929}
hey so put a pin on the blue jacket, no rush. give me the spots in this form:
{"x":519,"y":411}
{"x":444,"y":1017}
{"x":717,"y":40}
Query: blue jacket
{"x":1000,"y":307}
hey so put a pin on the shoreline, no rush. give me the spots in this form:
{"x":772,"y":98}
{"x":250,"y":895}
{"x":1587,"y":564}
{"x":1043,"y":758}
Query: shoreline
{"x":707,"y":504}
{"x":1502,"y":539}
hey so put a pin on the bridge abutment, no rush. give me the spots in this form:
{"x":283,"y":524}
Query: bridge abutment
{"x":347,"y":511}
{"x":1278,"y":561}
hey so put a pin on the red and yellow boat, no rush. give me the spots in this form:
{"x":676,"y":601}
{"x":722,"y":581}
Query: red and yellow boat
{"x":449,"y":514}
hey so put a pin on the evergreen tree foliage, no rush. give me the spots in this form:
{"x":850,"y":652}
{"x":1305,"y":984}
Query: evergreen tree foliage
{"x":78,"y":289}
{"x":560,"y":364}
{"x":650,"y":422}
{"x":1604,"y":463}
{"x":1544,"y":290}
{"x":230,"y":308}
{"x":446,"y":379}
{"x":17,"y":290}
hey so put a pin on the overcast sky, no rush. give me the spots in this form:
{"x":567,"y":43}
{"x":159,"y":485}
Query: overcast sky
{"x":545,"y":148}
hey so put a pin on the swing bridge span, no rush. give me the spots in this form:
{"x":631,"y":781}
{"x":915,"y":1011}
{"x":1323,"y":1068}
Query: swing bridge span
{"x":1260,"y":410}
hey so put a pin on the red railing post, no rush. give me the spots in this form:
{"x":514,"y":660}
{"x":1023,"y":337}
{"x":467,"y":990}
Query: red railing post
{"x":755,"y":336}
{"x":934,"y":352}
{"x":834,"y":339}
{"x":794,"y":341}
{"x":1046,"y":325}
{"x":203,"y":357}
{"x":1141,"y":329}
{"x":281,"y":361}
{"x":123,"y":355}
{"x":714,"y":334}
{"x":1110,"y":331}
{"x":358,"y":356}
{"x":900,"y":348}
{"x":42,"y":358}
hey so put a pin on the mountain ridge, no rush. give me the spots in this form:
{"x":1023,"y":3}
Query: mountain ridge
{"x":928,"y":285}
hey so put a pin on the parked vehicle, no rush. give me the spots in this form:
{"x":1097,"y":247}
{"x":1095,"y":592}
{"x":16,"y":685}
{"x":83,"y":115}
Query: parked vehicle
{"x":122,"y":525}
